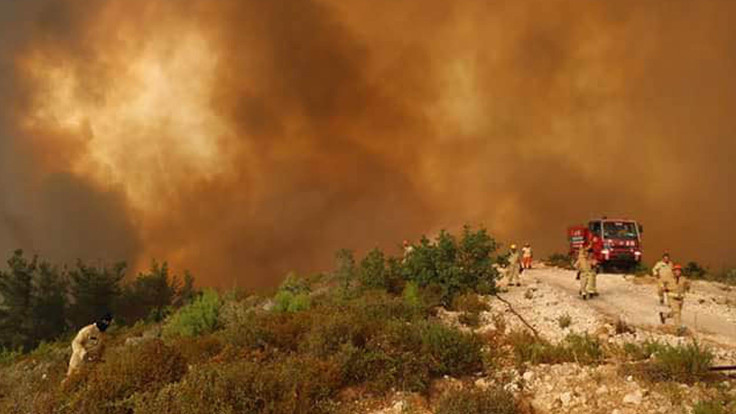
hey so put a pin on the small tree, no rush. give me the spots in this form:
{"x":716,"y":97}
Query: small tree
{"x":94,"y":291}
{"x":455,"y":266}
{"x":150,"y":295}
{"x":373,"y":270}
{"x":345,"y":273}
{"x":16,"y":288}
{"x":49,"y":303}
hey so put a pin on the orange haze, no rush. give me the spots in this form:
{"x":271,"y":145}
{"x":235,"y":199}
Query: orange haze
{"x":243,"y":139}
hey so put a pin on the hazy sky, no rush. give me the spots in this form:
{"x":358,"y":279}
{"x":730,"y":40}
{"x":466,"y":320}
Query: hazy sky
{"x":243,"y":139}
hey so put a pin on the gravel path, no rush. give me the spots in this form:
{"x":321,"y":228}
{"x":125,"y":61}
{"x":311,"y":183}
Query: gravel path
{"x":709,"y":309}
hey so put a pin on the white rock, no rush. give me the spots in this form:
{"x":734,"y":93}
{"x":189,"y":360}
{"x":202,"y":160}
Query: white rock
{"x":633,"y":398}
{"x":528,"y":376}
{"x":616,"y":411}
{"x":601,"y":390}
{"x":566,"y":399}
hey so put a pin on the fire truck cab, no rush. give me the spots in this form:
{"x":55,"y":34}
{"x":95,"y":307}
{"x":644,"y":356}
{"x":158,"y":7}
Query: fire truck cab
{"x":616,"y":243}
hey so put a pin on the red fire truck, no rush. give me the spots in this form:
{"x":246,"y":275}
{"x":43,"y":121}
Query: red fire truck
{"x":616,"y":243}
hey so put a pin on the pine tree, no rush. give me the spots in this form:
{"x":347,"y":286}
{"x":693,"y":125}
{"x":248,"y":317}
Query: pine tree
{"x":49,"y":303}
{"x":16,"y":287}
{"x":94,"y":291}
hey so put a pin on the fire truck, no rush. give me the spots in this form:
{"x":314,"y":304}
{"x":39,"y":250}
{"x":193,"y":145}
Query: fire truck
{"x":616,"y":243}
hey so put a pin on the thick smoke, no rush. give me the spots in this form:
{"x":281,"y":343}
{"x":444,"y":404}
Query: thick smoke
{"x":243,"y":139}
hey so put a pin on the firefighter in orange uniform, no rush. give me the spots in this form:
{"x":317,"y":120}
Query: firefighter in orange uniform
{"x":526,"y":256}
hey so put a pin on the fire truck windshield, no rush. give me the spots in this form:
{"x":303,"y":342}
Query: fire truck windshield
{"x":619,"y":230}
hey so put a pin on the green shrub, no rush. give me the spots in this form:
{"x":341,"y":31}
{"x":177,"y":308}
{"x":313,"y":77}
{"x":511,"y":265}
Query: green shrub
{"x":643,"y":351}
{"x":564,"y":321}
{"x":373,"y":272}
{"x":477,"y":401}
{"x":197,"y":318}
{"x":710,"y":407}
{"x":582,"y":349}
{"x":8,"y":356}
{"x":286,"y":301}
{"x":453,"y":352}
{"x":682,"y":363}
{"x":455,"y":266}
{"x":411,"y":295}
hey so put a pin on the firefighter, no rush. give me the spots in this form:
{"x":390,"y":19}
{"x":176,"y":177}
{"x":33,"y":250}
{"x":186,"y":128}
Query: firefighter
{"x":408,"y":249}
{"x":586,"y":267}
{"x":526,"y":256}
{"x":514,"y":269}
{"x":677,"y":289}
{"x":582,"y":253}
{"x":87,"y":346}
{"x":662,"y":270}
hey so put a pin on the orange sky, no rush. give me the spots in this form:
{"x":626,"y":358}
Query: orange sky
{"x":244,"y":139}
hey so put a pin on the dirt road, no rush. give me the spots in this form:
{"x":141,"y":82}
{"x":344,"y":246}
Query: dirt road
{"x":709,"y":311}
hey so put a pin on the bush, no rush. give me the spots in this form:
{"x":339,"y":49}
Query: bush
{"x":453,"y":352}
{"x":455,"y":266}
{"x":289,"y":385}
{"x":621,"y":327}
{"x":682,"y":363}
{"x":564,"y":321}
{"x":286,"y":301}
{"x":293,"y":295}
{"x":107,"y":387}
{"x":8,"y":356}
{"x":470,"y":302}
{"x":640,"y":352}
{"x":582,"y":349}
{"x":469,"y":319}
{"x":711,"y":407}
{"x":197,"y":318}
{"x":477,"y":401}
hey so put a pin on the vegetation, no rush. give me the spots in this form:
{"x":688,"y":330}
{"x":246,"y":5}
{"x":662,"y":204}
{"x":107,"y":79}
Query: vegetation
{"x":564,"y":321}
{"x":197,"y":318}
{"x":42,"y":302}
{"x":682,"y":363}
{"x":582,"y":349}
{"x":477,"y":401}
{"x":368,"y":325}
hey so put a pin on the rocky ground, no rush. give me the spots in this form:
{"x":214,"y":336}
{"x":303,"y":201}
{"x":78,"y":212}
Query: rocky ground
{"x":548,"y":301}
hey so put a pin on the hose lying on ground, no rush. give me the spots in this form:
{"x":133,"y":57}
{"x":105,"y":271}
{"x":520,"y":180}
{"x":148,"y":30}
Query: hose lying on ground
{"x":511,"y":308}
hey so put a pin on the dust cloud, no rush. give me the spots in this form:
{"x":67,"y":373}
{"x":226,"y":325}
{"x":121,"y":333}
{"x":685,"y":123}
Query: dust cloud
{"x":244,"y":139}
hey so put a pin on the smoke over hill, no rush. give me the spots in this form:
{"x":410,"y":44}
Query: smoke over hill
{"x":242,"y":139}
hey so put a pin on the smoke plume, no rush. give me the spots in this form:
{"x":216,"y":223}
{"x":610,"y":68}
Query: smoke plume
{"x":244,"y":139}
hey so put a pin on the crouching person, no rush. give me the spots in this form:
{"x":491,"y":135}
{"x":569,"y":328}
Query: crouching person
{"x":88,"y":344}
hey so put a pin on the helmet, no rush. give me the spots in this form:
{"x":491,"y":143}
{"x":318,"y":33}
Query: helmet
{"x":677,"y":267}
{"x":513,"y":247}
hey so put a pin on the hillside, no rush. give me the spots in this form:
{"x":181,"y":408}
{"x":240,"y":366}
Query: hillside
{"x":422,"y":335}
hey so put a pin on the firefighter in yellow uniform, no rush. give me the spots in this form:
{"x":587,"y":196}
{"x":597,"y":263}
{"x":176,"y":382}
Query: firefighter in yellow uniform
{"x":662,"y":270}
{"x":586,"y":267}
{"x":677,"y":289}
{"x":514,"y":268}
{"x":87,"y":345}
